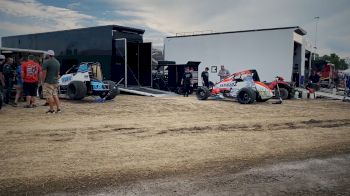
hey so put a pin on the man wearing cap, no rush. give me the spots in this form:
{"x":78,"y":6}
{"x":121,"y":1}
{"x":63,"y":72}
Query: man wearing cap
{"x":31,"y":72}
{"x":51,"y":71}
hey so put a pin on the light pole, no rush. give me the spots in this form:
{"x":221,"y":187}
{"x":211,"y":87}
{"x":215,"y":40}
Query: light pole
{"x":317,"y":18}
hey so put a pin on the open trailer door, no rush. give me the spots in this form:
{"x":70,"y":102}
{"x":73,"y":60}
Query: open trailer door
{"x":119,"y":61}
{"x":133,"y":62}
{"x":145,"y":64}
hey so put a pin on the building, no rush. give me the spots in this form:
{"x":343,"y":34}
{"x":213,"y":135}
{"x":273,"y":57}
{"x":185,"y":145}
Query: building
{"x":272,"y":52}
{"x":120,"y":50}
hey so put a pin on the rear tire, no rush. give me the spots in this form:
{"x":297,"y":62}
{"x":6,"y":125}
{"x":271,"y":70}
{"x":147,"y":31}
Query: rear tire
{"x":76,"y":90}
{"x":202,"y":93}
{"x":283,"y":93}
{"x":246,"y":96}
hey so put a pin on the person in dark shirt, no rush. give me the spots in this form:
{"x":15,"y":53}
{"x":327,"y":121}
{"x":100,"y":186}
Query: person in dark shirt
{"x":296,"y":78}
{"x":186,"y":82}
{"x":205,"y":77}
{"x":314,"y":78}
{"x":9,"y":71}
{"x":2,"y":79}
{"x":314,"y":81}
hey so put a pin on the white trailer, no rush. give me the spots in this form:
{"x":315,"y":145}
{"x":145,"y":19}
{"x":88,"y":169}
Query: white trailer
{"x":272,"y":52}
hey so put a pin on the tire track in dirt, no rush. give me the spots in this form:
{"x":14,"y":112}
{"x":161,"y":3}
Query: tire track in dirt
{"x":261,"y":127}
{"x":96,"y":133}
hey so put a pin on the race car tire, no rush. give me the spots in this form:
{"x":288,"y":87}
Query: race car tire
{"x":202,"y":93}
{"x":76,"y":90}
{"x":179,"y":90}
{"x":246,"y":96}
{"x":283,"y":92}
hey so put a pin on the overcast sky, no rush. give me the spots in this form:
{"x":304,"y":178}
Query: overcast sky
{"x":161,"y":18}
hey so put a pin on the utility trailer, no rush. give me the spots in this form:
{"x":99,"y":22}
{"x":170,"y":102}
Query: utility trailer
{"x":272,"y":52}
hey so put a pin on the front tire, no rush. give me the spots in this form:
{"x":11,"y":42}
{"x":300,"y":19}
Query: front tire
{"x":76,"y":90}
{"x":246,"y":96}
{"x":202,"y":93}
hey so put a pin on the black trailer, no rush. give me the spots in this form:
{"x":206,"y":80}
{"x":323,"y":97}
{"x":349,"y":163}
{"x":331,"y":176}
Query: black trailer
{"x":120,"y":50}
{"x":168,"y":75}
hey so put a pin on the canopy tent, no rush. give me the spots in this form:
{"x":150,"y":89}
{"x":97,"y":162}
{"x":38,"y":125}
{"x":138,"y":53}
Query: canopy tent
{"x":347,"y":71}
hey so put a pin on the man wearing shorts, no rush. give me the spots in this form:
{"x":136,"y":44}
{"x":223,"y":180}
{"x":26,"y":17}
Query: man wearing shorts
{"x":51,"y":71}
{"x":31,"y":72}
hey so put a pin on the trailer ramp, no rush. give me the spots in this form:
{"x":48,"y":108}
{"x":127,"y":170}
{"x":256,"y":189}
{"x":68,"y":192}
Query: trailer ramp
{"x":146,"y":91}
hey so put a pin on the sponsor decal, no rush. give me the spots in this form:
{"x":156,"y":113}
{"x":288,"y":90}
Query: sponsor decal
{"x":97,"y":86}
{"x":83,"y":68}
{"x":227,"y":85}
{"x":66,"y":79}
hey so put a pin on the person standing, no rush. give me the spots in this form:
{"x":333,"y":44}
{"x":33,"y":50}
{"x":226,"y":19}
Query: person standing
{"x":51,"y":71}
{"x":9,"y":76}
{"x":314,"y":81}
{"x":223,"y":73}
{"x":2,"y":78}
{"x":205,"y":77}
{"x":31,"y":72}
{"x":186,"y":81}
{"x":19,"y":82}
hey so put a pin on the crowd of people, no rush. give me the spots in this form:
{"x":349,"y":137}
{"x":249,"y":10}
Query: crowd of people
{"x":26,"y":75}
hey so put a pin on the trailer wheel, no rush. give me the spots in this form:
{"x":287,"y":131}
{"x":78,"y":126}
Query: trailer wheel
{"x":202,"y":93}
{"x":246,"y":96}
{"x":283,"y":93}
{"x":76,"y":90}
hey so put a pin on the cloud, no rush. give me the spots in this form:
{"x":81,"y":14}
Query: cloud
{"x":162,"y":18}
{"x":46,"y":17}
{"x":171,"y":17}
{"x":73,"y":5}
{"x":22,"y":28}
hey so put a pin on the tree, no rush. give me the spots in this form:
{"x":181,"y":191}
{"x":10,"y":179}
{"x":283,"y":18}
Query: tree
{"x":340,"y":64}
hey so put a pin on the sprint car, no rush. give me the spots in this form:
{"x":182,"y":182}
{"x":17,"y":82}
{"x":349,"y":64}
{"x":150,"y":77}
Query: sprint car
{"x":244,"y":86}
{"x":85,"y":80}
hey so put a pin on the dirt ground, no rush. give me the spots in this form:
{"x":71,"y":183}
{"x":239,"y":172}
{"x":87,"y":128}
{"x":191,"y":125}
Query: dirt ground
{"x":175,"y":146}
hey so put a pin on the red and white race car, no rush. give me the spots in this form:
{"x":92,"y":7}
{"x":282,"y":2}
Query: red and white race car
{"x":244,"y":86}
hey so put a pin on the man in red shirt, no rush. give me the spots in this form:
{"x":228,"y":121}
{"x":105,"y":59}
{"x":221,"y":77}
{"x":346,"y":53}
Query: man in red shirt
{"x":31,"y":72}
